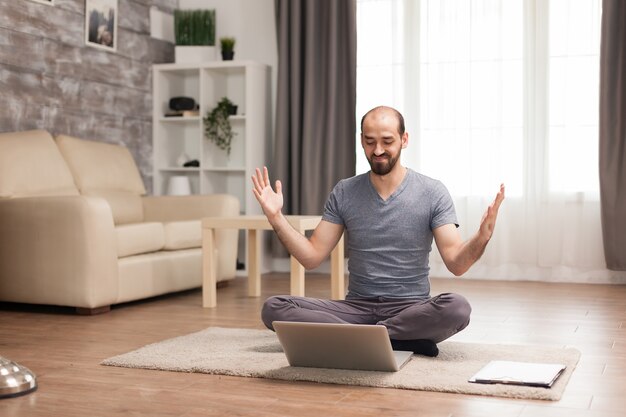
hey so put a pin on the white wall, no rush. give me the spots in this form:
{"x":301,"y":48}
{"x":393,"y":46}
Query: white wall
{"x":251,"y":22}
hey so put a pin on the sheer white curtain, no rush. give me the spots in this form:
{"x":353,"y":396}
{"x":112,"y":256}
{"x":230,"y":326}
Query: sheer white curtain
{"x":498,"y":91}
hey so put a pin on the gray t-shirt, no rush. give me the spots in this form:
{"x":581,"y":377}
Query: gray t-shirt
{"x":389,"y":241}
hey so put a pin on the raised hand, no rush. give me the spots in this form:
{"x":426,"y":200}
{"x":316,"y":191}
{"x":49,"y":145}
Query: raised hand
{"x":488,"y":222}
{"x":271,"y":201}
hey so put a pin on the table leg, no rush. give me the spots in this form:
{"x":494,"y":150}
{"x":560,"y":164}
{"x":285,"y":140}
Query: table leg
{"x":254,"y":263}
{"x":297,"y":278}
{"x":209,"y":269}
{"x":337,"y":274}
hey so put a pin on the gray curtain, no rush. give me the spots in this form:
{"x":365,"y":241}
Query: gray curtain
{"x":314,"y":145}
{"x":613,"y":132}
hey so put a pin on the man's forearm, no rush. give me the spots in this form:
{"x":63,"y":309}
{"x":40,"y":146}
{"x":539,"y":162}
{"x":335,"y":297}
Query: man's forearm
{"x":468,"y":254}
{"x":296,"y":243}
{"x":459,"y":256}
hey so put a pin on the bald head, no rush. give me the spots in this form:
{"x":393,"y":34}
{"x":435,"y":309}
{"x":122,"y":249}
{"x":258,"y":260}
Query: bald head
{"x":383,"y":110}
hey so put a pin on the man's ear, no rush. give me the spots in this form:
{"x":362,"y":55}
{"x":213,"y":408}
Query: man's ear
{"x":405,"y":140}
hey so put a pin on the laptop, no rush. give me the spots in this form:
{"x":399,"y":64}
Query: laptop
{"x":340,"y":346}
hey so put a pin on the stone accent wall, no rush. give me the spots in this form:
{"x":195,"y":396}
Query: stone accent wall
{"x":49,"y":78}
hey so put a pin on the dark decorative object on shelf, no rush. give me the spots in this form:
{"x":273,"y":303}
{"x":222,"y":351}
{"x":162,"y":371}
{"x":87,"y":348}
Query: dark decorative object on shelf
{"x":183,"y":107}
{"x":217,"y":126}
{"x":194,"y":163}
{"x":182,"y":103}
{"x":228,"y":48}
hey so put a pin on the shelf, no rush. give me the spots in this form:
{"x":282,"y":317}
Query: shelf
{"x":178,"y":69}
{"x":225,"y":169}
{"x":224,"y":66}
{"x":180,"y":169}
{"x":247,"y":85}
{"x":187,"y":119}
{"x":180,"y":119}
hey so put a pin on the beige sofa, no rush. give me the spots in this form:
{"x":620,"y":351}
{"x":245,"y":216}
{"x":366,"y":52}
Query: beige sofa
{"x":76,"y":228}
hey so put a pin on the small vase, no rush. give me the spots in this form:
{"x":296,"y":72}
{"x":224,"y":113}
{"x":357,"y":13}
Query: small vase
{"x":179,"y":185}
{"x":228,"y":55}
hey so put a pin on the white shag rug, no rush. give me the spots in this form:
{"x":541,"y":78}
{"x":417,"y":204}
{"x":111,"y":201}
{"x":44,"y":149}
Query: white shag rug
{"x":257,"y":353}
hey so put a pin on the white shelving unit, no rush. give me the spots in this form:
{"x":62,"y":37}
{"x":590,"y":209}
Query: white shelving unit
{"x":246,"y":84}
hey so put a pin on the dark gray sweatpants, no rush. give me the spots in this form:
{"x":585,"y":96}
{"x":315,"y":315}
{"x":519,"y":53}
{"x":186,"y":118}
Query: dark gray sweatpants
{"x":434,"y":319}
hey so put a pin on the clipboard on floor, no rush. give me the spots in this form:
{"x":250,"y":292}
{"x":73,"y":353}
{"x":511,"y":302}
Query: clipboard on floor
{"x":519,"y":373}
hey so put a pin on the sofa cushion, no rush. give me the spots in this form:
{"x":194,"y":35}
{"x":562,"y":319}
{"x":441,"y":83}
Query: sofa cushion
{"x":137,"y":238}
{"x":183,"y":234}
{"x":31,"y":165}
{"x":108,"y":171}
{"x":99,"y":165}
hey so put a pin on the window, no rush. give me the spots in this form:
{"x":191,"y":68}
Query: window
{"x":574,"y":59}
{"x":492,"y":90}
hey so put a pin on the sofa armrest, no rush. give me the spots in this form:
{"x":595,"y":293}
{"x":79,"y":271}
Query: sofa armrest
{"x":188,"y":207}
{"x":58,"y":250}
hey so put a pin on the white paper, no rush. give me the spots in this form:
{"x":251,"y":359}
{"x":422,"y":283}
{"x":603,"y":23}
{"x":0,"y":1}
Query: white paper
{"x":522,"y":373}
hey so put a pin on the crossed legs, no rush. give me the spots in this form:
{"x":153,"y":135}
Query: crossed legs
{"x":433,"y":320}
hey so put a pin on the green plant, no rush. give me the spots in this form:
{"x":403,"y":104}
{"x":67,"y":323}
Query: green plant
{"x":217,"y":126}
{"x":227,"y":44}
{"x":194,"y":27}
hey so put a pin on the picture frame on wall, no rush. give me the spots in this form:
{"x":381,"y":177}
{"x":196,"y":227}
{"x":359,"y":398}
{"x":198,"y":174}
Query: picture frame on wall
{"x":48,"y":2}
{"x":101,"y":24}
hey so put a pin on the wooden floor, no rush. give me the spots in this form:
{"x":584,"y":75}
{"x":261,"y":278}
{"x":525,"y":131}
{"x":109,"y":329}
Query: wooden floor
{"x":64,"y":350}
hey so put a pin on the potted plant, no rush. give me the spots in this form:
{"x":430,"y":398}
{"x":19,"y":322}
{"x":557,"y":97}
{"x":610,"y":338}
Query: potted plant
{"x":194,"y":31}
{"x":217,"y":126}
{"x":228,"y":48}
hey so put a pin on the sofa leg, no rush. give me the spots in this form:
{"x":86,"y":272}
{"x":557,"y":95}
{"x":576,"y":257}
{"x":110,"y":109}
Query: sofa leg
{"x":83,"y":311}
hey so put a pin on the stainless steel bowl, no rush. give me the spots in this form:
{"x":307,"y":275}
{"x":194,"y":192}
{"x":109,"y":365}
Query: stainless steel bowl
{"x":15,"y":379}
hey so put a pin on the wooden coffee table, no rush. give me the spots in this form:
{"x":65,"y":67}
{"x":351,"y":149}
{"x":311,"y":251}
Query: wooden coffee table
{"x":254,"y":224}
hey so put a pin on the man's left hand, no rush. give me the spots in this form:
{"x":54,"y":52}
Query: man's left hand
{"x":488,"y":222}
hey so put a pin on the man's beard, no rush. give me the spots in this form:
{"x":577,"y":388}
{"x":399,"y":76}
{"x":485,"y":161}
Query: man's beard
{"x":383,"y":167}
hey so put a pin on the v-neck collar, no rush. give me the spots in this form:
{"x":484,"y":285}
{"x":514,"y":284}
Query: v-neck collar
{"x":395,"y":192}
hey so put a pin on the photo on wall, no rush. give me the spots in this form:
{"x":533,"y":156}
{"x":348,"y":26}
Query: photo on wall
{"x":101,"y":24}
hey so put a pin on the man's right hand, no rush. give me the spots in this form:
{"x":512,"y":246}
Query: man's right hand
{"x":310,"y":252}
{"x":271,"y":201}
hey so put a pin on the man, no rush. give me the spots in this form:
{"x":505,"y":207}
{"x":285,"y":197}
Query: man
{"x":391,"y":215}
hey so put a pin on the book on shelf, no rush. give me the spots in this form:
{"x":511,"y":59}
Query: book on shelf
{"x":183,"y":113}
